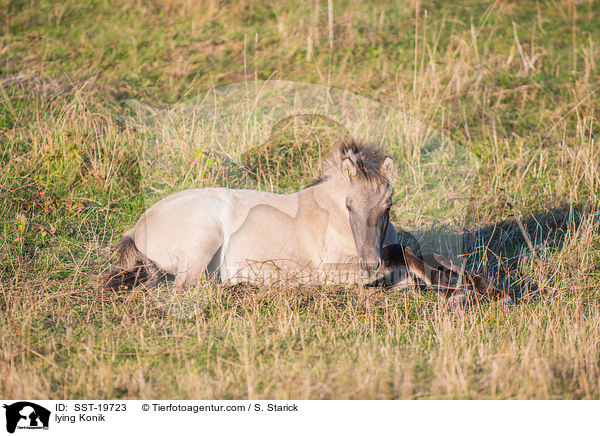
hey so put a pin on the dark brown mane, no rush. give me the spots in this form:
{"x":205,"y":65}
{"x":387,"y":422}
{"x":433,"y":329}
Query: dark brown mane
{"x":316,"y":181}
{"x":367,"y":158}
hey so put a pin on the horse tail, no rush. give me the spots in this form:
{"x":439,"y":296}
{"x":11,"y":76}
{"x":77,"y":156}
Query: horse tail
{"x":132,"y":268}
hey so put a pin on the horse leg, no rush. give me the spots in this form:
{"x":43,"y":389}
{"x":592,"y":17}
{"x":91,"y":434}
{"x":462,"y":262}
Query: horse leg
{"x":480,"y":284}
{"x":397,"y":255}
{"x":193,"y":269}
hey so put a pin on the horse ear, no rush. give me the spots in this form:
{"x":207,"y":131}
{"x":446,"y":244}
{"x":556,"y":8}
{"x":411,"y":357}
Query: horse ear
{"x":388,"y":168}
{"x":348,"y":169}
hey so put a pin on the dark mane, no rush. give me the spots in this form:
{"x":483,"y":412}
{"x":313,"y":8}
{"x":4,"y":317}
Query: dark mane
{"x":367,"y":158}
{"x":316,"y":181}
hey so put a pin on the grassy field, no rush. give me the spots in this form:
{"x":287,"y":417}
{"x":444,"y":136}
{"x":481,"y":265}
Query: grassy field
{"x":516,"y":84}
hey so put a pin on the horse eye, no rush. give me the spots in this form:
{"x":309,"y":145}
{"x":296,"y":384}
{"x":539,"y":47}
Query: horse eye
{"x":349,"y":208}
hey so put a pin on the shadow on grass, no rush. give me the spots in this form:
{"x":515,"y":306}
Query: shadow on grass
{"x":496,"y":251}
{"x":505,"y":243}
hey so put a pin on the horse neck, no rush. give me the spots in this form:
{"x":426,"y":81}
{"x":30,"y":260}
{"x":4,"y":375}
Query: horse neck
{"x":326,"y":194}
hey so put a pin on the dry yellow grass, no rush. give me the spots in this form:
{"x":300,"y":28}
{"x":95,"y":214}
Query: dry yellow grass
{"x":283,"y":343}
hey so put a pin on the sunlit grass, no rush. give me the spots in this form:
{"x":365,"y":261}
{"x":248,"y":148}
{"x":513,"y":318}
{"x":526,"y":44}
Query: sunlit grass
{"x":523,"y":100}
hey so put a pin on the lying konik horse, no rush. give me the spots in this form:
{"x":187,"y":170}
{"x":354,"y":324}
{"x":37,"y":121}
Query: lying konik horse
{"x":333,"y":228}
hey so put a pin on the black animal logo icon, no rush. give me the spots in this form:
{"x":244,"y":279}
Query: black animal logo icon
{"x":27,"y":415}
